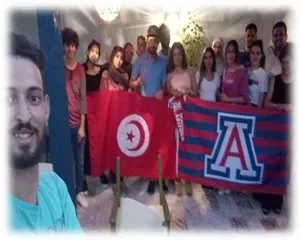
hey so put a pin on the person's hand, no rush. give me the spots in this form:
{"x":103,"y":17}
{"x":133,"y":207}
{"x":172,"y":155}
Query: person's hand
{"x":81,"y":134}
{"x":223,"y":97}
{"x":159,"y":95}
{"x":140,"y":80}
{"x":287,"y":108}
{"x":175,"y":92}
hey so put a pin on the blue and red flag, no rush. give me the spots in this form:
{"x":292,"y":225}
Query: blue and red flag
{"x":234,"y":147}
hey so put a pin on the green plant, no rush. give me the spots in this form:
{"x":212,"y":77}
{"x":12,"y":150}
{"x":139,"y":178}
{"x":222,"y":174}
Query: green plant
{"x":192,"y":39}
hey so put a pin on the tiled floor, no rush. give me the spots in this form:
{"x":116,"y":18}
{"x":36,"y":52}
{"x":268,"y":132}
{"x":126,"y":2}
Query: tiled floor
{"x":205,"y":210}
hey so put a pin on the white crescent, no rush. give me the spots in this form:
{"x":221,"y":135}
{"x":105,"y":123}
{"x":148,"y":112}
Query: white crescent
{"x":136,"y":125}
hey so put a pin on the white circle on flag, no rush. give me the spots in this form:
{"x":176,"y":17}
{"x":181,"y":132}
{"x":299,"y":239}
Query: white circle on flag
{"x":133,"y":135}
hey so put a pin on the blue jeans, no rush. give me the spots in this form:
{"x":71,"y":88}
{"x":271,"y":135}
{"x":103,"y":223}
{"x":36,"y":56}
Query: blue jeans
{"x":78,"y":158}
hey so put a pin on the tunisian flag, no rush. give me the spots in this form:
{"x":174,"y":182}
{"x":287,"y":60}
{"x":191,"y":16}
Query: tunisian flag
{"x":133,"y":127}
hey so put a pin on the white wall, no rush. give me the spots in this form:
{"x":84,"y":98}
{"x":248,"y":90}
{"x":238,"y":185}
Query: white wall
{"x":25,"y":22}
{"x":226,"y":23}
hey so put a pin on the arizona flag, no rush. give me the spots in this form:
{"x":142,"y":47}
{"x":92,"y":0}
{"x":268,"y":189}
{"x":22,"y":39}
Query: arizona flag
{"x":133,"y":127}
{"x":234,"y":147}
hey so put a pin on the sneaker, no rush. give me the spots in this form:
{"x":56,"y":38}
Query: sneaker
{"x":227,"y":191}
{"x":178,"y":188}
{"x":112,"y":177}
{"x":151,"y":187}
{"x":82,"y":200}
{"x":165,"y":188}
{"x":104,"y":180}
{"x":188,"y":187}
{"x":221,"y":192}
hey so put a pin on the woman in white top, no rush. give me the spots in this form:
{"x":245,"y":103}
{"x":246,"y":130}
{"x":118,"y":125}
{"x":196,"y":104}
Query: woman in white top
{"x":180,"y":81}
{"x":258,"y":77}
{"x":209,"y":80}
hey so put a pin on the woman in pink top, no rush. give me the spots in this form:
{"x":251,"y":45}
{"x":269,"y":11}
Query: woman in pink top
{"x":180,"y":81}
{"x":235,"y":89}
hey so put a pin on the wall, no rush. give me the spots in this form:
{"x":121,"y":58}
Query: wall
{"x":227,"y":23}
{"x":25,"y":22}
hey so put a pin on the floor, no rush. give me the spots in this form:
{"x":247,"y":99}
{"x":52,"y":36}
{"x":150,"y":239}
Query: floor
{"x":205,"y":210}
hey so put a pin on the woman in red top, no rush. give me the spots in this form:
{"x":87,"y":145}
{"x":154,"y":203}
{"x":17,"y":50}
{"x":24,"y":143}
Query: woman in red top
{"x":115,"y":78}
{"x":235,"y":89}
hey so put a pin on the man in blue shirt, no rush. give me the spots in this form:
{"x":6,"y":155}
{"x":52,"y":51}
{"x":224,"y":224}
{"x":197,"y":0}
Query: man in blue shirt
{"x":149,"y":74}
{"x":250,"y":37}
{"x":38,"y":203}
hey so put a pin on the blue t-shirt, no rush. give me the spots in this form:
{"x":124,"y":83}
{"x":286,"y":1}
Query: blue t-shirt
{"x":244,"y":58}
{"x":54,"y":212}
{"x":153,"y":72}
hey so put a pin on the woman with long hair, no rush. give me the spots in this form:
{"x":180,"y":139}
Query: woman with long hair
{"x":180,"y":81}
{"x":234,"y":84}
{"x":93,"y":76}
{"x":115,"y":77}
{"x":258,"y":78}
{"x":235,"y":88}
{"x":209,"y":80}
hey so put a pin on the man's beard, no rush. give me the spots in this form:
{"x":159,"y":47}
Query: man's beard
{"x":152,"y":50}
{"x":25,"y":159}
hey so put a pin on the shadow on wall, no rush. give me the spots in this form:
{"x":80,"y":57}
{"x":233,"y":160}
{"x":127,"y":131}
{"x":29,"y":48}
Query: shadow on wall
{"x":225,"y":23}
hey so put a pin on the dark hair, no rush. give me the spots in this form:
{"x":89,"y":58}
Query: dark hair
{"x":171,"y":65}
{"x":127,"y":44}
{"x":142,"y":38}
{"x":202,"y":66}
{"x":163,"y":27}
{"x":115,"y":50}
{"x":259,"y":44}
{"x":22,"y":47}
{"x":280,"y":25}
{"x":91,"y":44}
{"x":251,"y":26}
{"x":234,"y":43}
{"x":70,"y":36}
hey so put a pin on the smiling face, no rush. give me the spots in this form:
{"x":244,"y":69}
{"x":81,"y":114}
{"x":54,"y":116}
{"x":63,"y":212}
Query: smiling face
{"x":94,"y":54}
{"x":28,"y":110}
{"x":118,"y":60}
{"x":70,"y":50}
{"x":230,"y":55}
{"x":255,"y":55}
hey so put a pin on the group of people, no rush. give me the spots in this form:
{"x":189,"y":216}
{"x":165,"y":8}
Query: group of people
{"x":247,"y":77}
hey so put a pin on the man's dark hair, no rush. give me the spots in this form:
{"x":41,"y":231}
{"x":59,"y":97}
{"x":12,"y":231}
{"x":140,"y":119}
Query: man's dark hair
{"x":251,"y":26}
{"x":280,"y":24}
{"x":20,"y":46}
{"x":70,"y":36}
{"x":163,"y":27}
{"x":127,"y":44}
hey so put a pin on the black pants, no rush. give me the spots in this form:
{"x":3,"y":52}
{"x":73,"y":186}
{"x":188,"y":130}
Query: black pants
{"x":269,"y":201}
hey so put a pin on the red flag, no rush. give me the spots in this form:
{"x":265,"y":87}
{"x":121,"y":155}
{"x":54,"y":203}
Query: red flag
{"x":133,"y":127}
